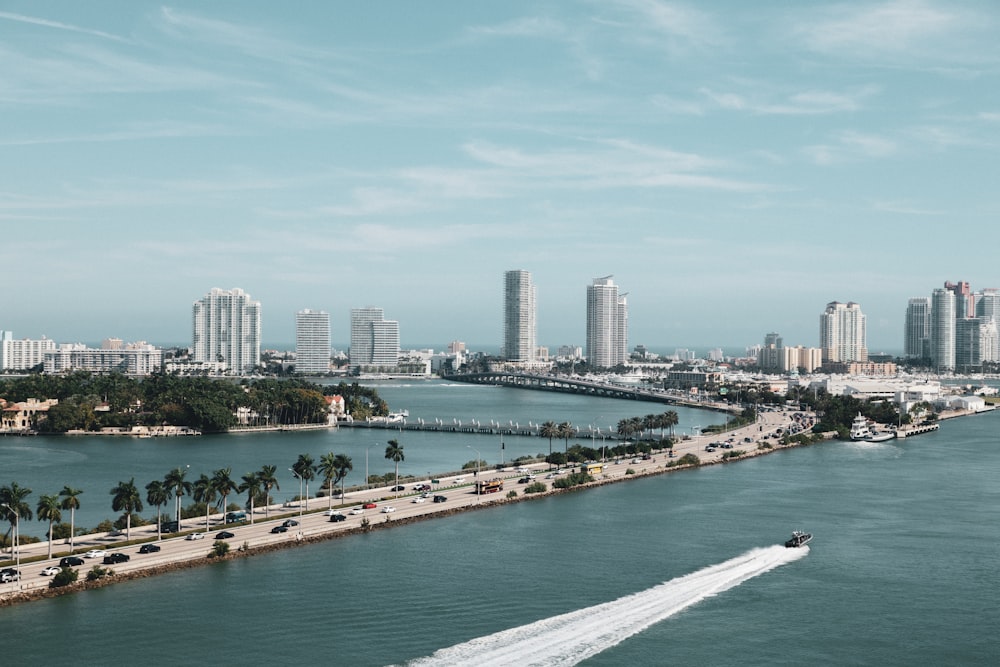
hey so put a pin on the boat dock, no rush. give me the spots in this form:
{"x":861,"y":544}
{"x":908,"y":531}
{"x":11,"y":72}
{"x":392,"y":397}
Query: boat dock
{"x":917,"y":430}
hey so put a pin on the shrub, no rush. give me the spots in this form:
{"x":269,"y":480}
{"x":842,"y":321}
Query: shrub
{"x":630,"y":471}
{"x":571,"y":480}
{"x":219,"y":549}
{"x":535,"y":487}
{"x":98,"y":572}
{"x":512,"y":494}
{"x":689,"y":460}
{"x":64,"y":577}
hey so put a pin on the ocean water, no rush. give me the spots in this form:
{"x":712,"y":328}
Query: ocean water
{"x":680,"y":569}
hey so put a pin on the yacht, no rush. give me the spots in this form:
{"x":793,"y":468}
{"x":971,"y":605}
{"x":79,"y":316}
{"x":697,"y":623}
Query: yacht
{"x":798,"y":539}
{"x":860,"y":431}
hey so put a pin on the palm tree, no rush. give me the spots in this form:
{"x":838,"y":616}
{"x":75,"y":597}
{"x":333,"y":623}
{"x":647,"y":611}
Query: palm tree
{"x":269,"y":481}
{"x":204,"y":492}
{"x":670,"y":420}
{"x":72,"y":503}
{"x":251,"y":486}
{"x":12,"y":498}
{"x":549,"y":430}
{"x":125,"y":498}
{"x":175,"y":483}
{"x":344,"y":466}
{"x":328,"y":466}
{"x":157,"y":495}
{"x":394,"y":452}
{"x":48,"y":510}
{"x":566,"y":431}
{"x":305,"y":470}
{"x":223,"y":484}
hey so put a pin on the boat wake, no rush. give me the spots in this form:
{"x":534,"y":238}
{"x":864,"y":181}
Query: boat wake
{"x":569,"y":638}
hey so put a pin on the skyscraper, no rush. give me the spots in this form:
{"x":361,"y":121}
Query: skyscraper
{"x":374,"y":340}
{"x":917,"y":332}
{"x":226,"y":330}
{"x":988,"y":308}
{"x":519,"y":326}
{"x":312,"y":341}
{"x":943,"y":329}
{"x":607,"y":324}
{"x":842,"y":333}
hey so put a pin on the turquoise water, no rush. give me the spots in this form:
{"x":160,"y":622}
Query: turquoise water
{"x":901,"y":571}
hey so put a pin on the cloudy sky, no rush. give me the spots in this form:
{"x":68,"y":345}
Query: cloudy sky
{"x":734,"y":165}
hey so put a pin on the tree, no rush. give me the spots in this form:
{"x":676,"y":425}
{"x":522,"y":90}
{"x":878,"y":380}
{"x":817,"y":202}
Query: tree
{"x":71,"y":502}
{"x":566,"y":431}
{"x":328,"y":466}
{"x":125,"y":498}
{"x":305,"y":470}
{"x":48,"y":510}
{"x":223,"y":484}
{"x":269,"y":481}
{"x":12,"y":500}
{"x":175,"y":483}
{"x":251,"y":486}
{"x":204,"y":492}
{"x":394,"y":452}
{"x":549,"y":430}
{"x":344,"y":466}
{"x":157,"y":495}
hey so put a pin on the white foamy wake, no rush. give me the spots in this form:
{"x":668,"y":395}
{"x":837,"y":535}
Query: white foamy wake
{"x":575,"y":636}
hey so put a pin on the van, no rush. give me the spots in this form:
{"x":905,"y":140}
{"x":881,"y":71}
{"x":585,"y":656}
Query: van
{"x":233,"y":517}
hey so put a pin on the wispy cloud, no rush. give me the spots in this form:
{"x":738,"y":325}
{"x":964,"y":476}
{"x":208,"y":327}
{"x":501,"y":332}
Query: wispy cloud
{"x":681,"y":23}
{"x":809,"y":102}
{"x":9,"y":16}
{"x":904,"y":208}
{"x":851,"y":146}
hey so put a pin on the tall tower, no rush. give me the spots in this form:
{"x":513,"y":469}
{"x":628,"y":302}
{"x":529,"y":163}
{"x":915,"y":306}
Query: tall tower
{"x":374,"y":339}
{"x":842,"y":332}
{"x":312,"y":341}
{"x":519,"y":328}
{"x":917,"y":332}
{"x":226,"y":330}
{"x":943,"y":329}
{"x":607,"y":324}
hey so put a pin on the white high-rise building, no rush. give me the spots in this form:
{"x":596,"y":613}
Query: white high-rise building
{"x":22,"y":355}
{"x":374,"y":340}
{"x":312,"y":341}
{"x":519,"y":326}
{"x":917,"y":333}
{"x":226,"y":330}
{"x":607,"y":324}
{"x":842,"y":333}
{"x":988,"y":308}
{"x":943,"y":329}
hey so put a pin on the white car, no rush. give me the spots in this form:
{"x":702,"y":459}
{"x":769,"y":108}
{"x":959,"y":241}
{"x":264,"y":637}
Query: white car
{"x":357,"y":510}
{"x":330,"y":512}
{"x":459,"y":480}
{"x":51,"y":570}
{"x":420,"y":499}
{"x":387,"y":509}
{"x":195,"y":536}
{"x":95,"y":553}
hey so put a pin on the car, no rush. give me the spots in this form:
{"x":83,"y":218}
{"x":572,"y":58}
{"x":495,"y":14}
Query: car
{"x":459,"y":480}
{"x":50,"y":571}
{"x":398,"y":487}
{"x":330,"y":512}
{"x":422,"y":487}
{"x":9,"y":574}
{"x":369,"y":506}
{"x":195,"y":536}
{"x":70,"y":561}
{"x":115,"y":558}
{"x":225,"y":535}
{"x":358,"y":510}
{"x":387,"y":509}
{"x":524,"y":480}
{"x":149,"y":548}
{"x":288,"y":523}
{"x":440,"y":499}
{"x":419,"y":499}
{"x":95,"y":553}
{"x":335,"y":518}
{"x":280,"y":529}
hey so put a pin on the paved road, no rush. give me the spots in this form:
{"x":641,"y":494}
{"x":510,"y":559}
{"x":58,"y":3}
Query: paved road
{"x":458,"y":489}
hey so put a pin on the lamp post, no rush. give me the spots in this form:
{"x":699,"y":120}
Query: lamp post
{"x":478,"y":459}
{"x":300,"y":489}
{"x":16,"y":545}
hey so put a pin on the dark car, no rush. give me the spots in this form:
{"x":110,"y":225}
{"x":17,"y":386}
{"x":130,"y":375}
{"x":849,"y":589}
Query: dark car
{"x":440,"y":499}
{"x":524,"y":480}
{"x":225,"y":535}
{"x":289,"y":523}
{"x":70,"y":561}
{"x":398,"y":488}
{"x":115,"y":558}
{"x":337,"y":517}
{"x":280,"y":529}
{"x":171,"y":527}
{"x":149,"y":548}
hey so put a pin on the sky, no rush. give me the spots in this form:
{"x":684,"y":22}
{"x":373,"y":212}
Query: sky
{"x":735,"y":166}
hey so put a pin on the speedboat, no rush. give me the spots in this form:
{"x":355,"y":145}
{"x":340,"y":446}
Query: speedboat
{"x":860,"y":431}
{"x":798,"y":539}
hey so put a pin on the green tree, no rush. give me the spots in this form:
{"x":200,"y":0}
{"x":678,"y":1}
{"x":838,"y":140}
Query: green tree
{"x":269,"y":481}
{"x":250,"y":485}
{"x":566,"y":431}
{"x":176,"y":484}
{"x":328,"y":468}
{"x":125,"y":498}
{"x":549,"y":430}
{"x":48,"y":510}
{"x":204,"y":492}
{"x":64,"y":577}
{"x":304,"y":469}
{"x":343,"y":465}
{"x":394,"y":453}
{"x":223,"y":484}
{"x":13,"y":502}
{"x":157,"y":495}
{"x":71,"y":502}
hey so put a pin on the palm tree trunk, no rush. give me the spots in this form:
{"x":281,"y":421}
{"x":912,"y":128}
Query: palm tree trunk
{"x":72,"y":527}
{"x":50,"y":538}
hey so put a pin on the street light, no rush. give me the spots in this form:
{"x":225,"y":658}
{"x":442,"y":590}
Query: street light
{"x":478,"y":459}
{"x":300,"y":489}
{"x":16,"y":545}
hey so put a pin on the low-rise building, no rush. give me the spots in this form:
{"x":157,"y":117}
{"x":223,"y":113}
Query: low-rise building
{"x":137,"y":359}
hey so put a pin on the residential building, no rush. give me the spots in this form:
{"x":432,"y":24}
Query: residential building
{"x":607,"y":324}
{"x":917,"y":331}
{"x":22,"y":355}
{"x":312,"y":342}
{"x":374,"y":341}
{"x":943,"y":329}
{"x":988,"y":308}
{"x":519,"y":313}
{"x":226,"y":330}
{"x":842,"y":332}
{"x":965,"y":304}
{"x":135,"y":359}
{"x":20,"y":417}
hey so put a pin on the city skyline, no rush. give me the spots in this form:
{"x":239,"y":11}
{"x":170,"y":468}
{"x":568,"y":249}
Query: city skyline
{"x":736,"y":166}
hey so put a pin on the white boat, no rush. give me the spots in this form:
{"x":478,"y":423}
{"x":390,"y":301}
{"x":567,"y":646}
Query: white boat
{"x":862,"y":432}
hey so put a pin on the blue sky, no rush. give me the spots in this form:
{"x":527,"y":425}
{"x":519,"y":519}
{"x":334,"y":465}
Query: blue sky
{"x":734,"y":165}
